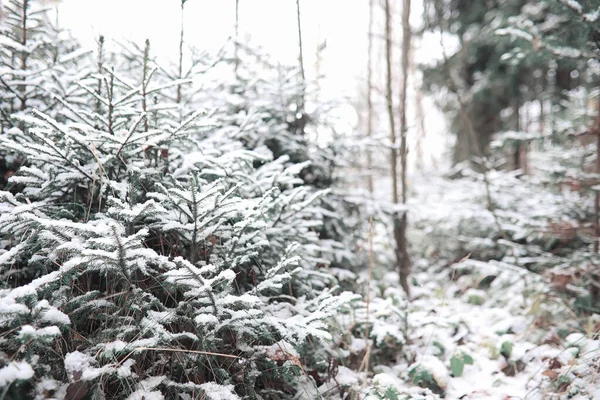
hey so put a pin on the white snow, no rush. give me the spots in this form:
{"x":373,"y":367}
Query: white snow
{"x":347,"y":377}
{"x":436,"y":367}
{"x":113,"y":347}
{"x":514,"y":32}
{"x":573,"y":4}
{"x":15,"y":370}
{"x":214,"y":391}
{"x":146,"y":395}
{"x":124,"y":371}
{"x":206,"y":319}
{"x":9,"y":308}
{"x":78,"y":363}
{"x":55,"y":316}
{"x":282,"y":350}
{"x":29,"y":332}
{"x":358,"y":345}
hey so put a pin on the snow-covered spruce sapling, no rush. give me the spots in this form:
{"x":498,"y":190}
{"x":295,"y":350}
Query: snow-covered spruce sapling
{"x":37,"y":67}
{"x":134,"y":254}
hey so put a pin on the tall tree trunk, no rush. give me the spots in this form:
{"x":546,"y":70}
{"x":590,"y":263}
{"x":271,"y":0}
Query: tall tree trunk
{"x":23,"y":59}
{"x":597,"y":197}
{"x":398,"y":222}
{"x":401,"y":243}
{"x":517,"y":124}
{"x":180,"y":66}
{"x":300,"y":111}
{"x":370,"y":97}
{"x":542,"y":118}
{"x":24,"y":55}
{"x":419,"y":114}
{"x":100,"y":64}
{"x":145,"y":81}
{"x":390,"y":101}
{"x":595,"y":276}
{"x":237,"y":27}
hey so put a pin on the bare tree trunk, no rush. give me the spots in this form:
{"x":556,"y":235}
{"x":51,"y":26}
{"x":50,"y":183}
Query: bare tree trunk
{"x":525,"y":147}
{"x":302,"y":119}
{"x":597,"y":197}
{"x":399,"y":223}
{"x":145,"y":73}
{"x":180,"y":66}
{"x":100,"y":62}
{"x":370,"y":97}
{"x":24,"y":19}
{"x":542,"y":120}
{"x":420,"y":115}
{"x":300,"y":53}
{"x":237,"y":27}
{"x":517,"y":116}
{"x":401,"y":243}
{"x":594,"y":287}
{"x":390,"y":101}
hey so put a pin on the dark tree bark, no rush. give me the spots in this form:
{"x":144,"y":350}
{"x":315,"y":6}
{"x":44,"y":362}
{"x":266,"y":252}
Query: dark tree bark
{"x":237,"y":27}
{"x":399,"y":222}
{"x":180,"y":65}
{"x":401,"y":242}
{"x":301,"y":112}
{"x":595,"y":276}
{"x":370,"y":97}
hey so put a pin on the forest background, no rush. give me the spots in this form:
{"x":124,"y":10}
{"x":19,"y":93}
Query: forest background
{"x":299,"y":199}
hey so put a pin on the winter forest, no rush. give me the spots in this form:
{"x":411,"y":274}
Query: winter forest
{"x":416,"y":219}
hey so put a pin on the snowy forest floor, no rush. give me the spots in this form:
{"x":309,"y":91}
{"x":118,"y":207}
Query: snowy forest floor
{"x":478,"y":329}
{"x":512,"y":350}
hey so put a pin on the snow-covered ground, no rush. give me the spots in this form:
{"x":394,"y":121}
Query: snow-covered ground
{"x":480,"y":329}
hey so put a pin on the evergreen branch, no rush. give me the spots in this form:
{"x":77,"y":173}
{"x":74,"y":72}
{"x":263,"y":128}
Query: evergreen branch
{"x":206,"y":353}
{"x":120,"y":80}
{"x":51,"y":145}
{"x":168,"y":85}
{"x":68,"y":106}
{"x":10,"y":89}
{"x":188,"y":121}
{"x":131,"y":132}
{"x":127,"y":96}
{"x":93,"y":93}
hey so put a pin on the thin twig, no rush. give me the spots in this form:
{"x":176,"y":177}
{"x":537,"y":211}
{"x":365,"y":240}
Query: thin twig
{"x":364,"y":366}
{"x":175,"y":350}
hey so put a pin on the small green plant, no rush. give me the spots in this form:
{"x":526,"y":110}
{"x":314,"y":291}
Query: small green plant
{"x":440,"y":347}
{"x":475,"y":298}
{"x":390,"y":394}
{"x":423,"y":378}
{"x":458,"y":362}
{"x":506,"y":349}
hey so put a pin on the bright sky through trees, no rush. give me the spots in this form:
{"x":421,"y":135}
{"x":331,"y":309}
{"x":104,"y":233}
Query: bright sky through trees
{"x":340,"y":24}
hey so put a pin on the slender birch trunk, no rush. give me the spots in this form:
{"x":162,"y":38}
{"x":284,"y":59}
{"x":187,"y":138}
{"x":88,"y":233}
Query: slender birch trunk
{"x":180,"y":66}
{"x":400,"y":231}
{"x":390,"y":101}
{"x":594,"y":287}
{"x":302,"y":119}
{"x":399,"y":222}
{"x":236,"y":39}
{"x":419,"y":113}
{"x":370,"y":97}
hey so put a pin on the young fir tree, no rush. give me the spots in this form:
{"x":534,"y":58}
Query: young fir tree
{"x":36,"y":68}
{"x":146,"y":256}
